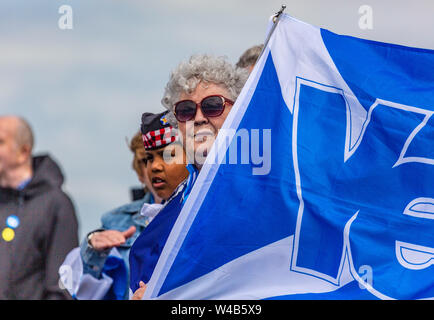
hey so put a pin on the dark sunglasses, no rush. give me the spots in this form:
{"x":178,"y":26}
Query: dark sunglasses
{"x":211,"y":106}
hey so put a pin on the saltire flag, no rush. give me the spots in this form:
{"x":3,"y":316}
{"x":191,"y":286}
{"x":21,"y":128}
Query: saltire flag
{"x":345,"y":209}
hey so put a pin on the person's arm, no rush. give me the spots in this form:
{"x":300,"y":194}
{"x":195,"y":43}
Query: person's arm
{"x":97,"y":245}
{"x":64,"y":237}
{"x":93,"y":260}
{"x":81,"y":272}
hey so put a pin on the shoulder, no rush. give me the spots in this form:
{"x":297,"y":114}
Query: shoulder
{"x":121,"y":213}
{"x":179,"y":189}
{"x":56,"y":208}
{"x":60,"y":201}
{"x":128,"y":208}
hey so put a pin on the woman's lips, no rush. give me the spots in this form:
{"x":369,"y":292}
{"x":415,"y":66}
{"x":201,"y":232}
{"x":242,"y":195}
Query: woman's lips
{"x":202,"y":135}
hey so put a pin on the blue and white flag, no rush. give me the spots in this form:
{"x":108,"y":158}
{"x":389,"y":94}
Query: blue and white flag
{"x":344,"y":208}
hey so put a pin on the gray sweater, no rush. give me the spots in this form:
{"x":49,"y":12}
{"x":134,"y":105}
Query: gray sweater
{"x":43,"y":231}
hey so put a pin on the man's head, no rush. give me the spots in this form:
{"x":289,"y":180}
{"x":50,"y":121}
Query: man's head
{"x":249,"y":57}
{"x":16,"y":144}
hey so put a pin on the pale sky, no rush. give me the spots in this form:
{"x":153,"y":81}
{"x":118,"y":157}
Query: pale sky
{"x":84,"y":90}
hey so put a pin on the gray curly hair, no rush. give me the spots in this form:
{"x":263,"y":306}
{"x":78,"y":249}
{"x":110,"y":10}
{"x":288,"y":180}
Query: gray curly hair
{"x":187,"y":75}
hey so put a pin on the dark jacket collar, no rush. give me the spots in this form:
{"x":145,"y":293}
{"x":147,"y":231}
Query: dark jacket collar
{"x":46,"y":175}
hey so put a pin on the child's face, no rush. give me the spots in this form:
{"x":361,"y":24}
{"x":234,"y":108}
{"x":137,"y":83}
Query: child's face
{"x":166,"y":169}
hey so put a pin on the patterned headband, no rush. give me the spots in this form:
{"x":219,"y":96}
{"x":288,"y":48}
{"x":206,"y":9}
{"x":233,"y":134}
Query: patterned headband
{"x":159,"y":138}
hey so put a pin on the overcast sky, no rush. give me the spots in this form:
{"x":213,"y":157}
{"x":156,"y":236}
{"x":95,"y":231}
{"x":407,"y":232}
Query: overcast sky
{"x":84,"y":89}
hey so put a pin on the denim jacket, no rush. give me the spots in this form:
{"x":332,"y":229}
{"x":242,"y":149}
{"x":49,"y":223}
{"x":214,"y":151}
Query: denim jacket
{"x":117,"y":219}
{"x":99,"y":264}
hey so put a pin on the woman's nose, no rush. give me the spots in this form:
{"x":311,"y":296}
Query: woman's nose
{"x":200,"y":118}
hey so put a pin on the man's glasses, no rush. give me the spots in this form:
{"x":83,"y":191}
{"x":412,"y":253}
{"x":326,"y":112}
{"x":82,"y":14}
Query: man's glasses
{"x":211,"y":106}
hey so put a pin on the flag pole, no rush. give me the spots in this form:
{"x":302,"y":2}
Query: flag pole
{"x":278,"y":13}
{"x":276,"y":19}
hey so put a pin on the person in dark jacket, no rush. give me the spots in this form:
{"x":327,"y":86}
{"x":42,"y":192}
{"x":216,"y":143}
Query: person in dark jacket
{"x":38,"y":223}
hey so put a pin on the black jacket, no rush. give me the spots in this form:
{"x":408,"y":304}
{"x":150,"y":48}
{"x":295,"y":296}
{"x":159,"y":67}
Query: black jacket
{"x":47,"y":231}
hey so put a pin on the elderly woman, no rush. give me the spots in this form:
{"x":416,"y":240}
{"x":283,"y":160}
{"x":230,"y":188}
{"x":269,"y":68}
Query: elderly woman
{"x":200,"y":94}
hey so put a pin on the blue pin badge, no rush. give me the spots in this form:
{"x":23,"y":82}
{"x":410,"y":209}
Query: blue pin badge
{"x":12,"y":221}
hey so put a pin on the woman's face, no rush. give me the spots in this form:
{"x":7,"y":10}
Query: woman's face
{"x":166,"y":169}
{"x":199,"y":133}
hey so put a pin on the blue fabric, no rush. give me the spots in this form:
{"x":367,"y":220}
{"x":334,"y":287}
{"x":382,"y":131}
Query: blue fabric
{"x":235,"y":191}
{"x":344,"y":205}
{"x":192,"y":175}
{"x":322,"y":168}
{"x":115,"y":268}
{"x":382,"y":70}
{"x":147,"y":248}
{"x":382,"y":190}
